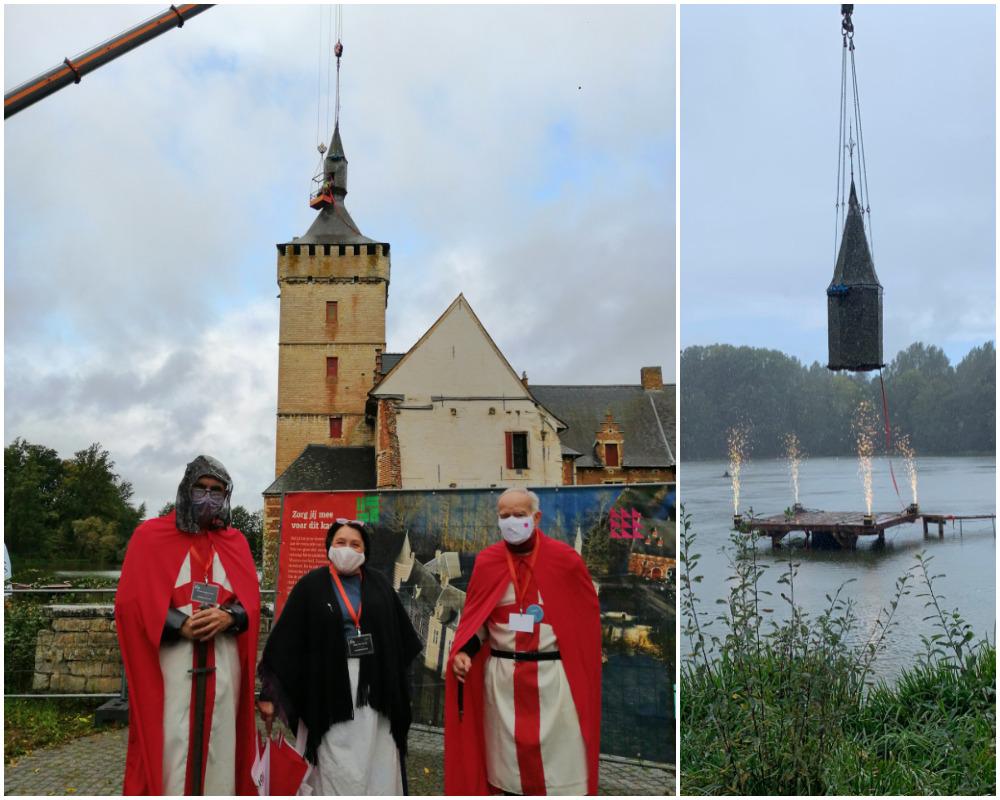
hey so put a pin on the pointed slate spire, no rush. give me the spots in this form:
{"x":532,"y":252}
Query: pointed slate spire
{"x":854,"y":300}
{"x":335,"y":164}
{"x":334,"y":225}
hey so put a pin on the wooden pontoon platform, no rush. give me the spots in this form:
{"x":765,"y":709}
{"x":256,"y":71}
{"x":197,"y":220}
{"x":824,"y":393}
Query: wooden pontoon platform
{"x":844,"y":528}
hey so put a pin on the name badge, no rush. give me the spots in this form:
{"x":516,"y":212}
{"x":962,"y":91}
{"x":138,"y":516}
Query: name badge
{"x":207,"y":594}
{"x":360,"y":645}
{"x":523,"y":623}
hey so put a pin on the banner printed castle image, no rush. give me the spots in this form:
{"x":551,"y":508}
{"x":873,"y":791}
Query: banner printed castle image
{"x":426,"y":542}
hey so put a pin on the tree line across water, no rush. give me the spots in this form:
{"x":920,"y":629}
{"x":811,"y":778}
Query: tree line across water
{"x":944,"y":410}
{"x":79,"y":510}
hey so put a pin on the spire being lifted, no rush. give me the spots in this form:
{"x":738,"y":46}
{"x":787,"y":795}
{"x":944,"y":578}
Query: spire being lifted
{"x":334,"y":224}
{"x":854,"y":296}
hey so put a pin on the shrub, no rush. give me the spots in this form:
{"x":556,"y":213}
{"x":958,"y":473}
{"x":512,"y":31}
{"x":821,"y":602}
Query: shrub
{"x":787,"y":705}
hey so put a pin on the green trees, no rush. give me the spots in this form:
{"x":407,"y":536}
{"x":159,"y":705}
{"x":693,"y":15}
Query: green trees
{"x":251,"y":523}
{"x":944,"y":409}
{"x":70,"y":509}
{"x":32,"y":475}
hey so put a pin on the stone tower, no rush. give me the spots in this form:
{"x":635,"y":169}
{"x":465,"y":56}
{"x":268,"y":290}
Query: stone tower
{"x":334,"y":288}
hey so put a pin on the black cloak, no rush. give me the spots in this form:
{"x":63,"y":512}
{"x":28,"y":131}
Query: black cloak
{"x":304,"y":666}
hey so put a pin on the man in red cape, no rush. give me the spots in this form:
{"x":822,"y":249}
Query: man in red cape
{"x":510,"y":725}
{"x":163,"y":631}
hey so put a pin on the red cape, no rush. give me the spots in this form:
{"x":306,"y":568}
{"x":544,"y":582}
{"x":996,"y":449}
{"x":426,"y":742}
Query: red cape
{"x":154,"y":557}
{"x":571,"y":608}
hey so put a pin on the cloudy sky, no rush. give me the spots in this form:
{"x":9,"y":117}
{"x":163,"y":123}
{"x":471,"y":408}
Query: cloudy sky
{"x":523,"y":156}
{"x":760,"y":88}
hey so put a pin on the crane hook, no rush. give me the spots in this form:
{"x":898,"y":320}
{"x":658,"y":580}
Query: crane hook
{"x":847,"y":26}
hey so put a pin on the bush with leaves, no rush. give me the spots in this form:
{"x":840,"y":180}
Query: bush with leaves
{"x":786,"y":704}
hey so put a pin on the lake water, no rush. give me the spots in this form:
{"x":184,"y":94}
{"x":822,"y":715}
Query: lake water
{"x":966,"y":555}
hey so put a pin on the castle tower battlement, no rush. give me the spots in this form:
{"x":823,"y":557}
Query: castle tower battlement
{"x":334,"y":289}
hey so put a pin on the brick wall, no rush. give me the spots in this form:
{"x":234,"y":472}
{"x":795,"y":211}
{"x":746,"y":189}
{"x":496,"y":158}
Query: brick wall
{"x":588,"y":476}
{"x":272,"y":528}
{"x":295,"y":431}
{"x":360,"y":312}
{"x":357,"y":279}
{"x":387,"y":466}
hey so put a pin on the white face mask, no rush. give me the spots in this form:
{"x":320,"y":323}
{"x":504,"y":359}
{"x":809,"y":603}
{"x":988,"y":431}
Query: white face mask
{"x":345,"y":560}
{"x":516,"y":530}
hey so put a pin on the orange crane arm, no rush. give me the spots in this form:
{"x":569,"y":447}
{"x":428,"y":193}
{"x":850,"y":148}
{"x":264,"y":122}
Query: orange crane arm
{"x":69,"y":72}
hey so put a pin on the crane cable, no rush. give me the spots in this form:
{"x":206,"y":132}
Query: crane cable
{"x":338,"y":51}
{"x":321,"y":145}
{"x":849,"y":121}
{"x":845,"y":148}
{"x":333,"y":23}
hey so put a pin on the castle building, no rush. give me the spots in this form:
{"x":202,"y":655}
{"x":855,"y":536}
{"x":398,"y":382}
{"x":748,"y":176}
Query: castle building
{"x":451,"y":412}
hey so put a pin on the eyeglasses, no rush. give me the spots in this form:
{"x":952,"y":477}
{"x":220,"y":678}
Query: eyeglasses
{"x":355,"y":522}
{"x":200,"y":492}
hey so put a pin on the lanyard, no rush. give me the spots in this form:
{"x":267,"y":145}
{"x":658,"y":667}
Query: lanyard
{"x":205,"y":565}
{"x":355,"y":615}
{"x":519,"y":593}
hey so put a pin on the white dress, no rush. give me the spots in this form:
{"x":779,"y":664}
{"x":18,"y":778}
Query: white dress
{"x":533,"y":740}
{"x":176,"y":659}
{"x":357,"y":756}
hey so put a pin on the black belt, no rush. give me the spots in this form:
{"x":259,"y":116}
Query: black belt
{"x":535,"y":655}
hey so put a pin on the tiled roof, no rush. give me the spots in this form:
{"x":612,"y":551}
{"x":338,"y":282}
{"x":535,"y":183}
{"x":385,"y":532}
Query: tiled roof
{"x":646,"y":418}
{"x":321,"y":468}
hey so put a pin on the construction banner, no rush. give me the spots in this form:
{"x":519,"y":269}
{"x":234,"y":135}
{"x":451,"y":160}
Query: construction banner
{"x":426,"y":542}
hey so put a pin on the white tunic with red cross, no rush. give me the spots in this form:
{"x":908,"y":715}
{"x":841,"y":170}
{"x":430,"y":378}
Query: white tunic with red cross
{"x":533,"y":739}
{"x":222,"y":691}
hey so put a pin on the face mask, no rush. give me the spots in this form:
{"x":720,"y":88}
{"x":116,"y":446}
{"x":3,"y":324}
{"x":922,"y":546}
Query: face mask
{"x":516,"y":530}
{"x":206,"y":508}
{"x":345,"y":560}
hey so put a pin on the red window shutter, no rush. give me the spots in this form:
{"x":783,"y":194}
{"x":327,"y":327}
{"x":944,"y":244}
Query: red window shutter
{"x":336,"y":427}
{"x":331,"y":310}
{"x":611,"y":455}
{"x":509,"y":447}
{"x":331,"y":366}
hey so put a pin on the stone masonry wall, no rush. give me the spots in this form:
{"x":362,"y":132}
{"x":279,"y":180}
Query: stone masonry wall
{"x":78,"y":651}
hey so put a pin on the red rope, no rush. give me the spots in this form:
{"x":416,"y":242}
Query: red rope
{"x":888,"y":437}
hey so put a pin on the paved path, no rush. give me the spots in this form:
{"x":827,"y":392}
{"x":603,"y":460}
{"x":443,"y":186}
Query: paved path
{"x":93,"y":765}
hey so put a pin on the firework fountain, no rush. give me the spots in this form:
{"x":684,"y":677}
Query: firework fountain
{"x":794,"y":454}
{"x":906,"y":452}
{"x":739,"y":438}
{"x":865,"y":427}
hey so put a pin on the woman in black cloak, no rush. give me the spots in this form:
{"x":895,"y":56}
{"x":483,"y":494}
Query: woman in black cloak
{"x":336,"y":662}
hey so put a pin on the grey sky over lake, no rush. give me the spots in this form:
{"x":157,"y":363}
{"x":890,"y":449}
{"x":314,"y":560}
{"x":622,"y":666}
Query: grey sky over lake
{"x":521,"y":155}
{"x":760,"y":87}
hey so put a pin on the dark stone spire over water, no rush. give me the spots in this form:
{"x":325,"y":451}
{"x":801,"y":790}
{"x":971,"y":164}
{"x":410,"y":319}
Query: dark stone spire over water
{"x":854,"y":300}
{"x":334,"y":225}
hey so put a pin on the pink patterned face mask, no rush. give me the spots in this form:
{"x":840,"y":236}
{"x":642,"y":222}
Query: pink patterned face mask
{"x":516,"y":530}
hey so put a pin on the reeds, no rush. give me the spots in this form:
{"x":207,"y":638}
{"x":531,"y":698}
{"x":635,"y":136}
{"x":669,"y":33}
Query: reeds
{"x":784,"y":703}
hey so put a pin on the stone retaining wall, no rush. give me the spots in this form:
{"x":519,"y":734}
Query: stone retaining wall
{"x":77,"y":652}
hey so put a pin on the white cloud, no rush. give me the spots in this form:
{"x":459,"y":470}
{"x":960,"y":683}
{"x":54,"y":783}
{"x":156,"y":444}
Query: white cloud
{"x":522,"y":155}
